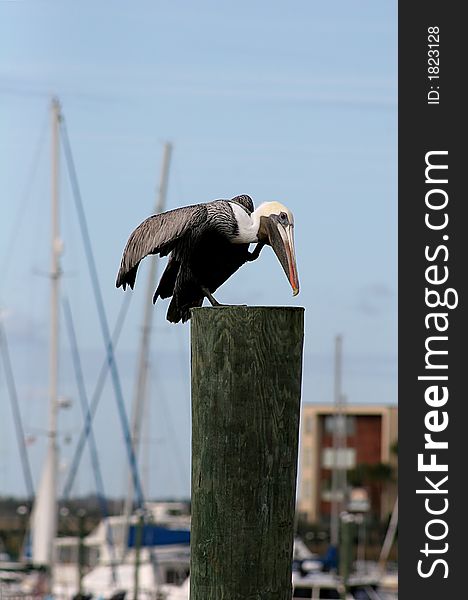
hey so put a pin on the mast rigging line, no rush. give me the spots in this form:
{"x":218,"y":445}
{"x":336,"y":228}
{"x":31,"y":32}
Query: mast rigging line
{"x":180,"y":463}
{"x":6,"y":261}
{"x":140,"y":398}
{"x":101,"y":313}
{"x":80,"y":384}
{"x":10,"y":381}
{"x":95,"y":400}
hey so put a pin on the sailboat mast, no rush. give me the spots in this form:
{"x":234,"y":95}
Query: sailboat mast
{"x":54,"y":279}
{"x":141,"y":383}
{"x":44,"y":515}
{"x":55,"y":274}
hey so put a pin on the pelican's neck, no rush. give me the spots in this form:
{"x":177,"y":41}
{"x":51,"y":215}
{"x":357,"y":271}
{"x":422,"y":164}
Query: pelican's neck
{"x":248,"y":225}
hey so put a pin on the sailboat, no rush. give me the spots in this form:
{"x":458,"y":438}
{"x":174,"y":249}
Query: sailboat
{"x":149,"y":554}
{"x":152,"y":547}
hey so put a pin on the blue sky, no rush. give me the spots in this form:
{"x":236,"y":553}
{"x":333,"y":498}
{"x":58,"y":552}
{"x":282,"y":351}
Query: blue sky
{"x":292,"y":102}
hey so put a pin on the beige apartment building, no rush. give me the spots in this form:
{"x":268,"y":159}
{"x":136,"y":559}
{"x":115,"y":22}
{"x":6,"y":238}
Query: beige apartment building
{"x":371,"y":431}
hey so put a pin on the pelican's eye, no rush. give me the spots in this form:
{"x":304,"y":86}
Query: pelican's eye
{"x":283,"y":217}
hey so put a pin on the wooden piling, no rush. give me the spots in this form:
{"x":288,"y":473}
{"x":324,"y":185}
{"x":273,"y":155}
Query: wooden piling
{"x":246,"y":392}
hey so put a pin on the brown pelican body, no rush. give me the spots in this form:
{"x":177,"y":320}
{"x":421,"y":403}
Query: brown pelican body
{"x":207,"y":243}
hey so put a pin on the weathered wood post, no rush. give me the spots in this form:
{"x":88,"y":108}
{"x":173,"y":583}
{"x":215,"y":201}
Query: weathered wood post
{"x":246,"y":392}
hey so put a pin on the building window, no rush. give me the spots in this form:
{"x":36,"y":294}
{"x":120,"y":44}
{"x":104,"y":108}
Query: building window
{"x":342,"y":458}
{"x":342,"y":421}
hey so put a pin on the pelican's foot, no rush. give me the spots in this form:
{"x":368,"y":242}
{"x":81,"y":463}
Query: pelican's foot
{"x":219,"y":305}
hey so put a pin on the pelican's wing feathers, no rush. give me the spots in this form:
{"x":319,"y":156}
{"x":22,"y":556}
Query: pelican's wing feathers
{"x":158,"y":235}
{"x":245,"y":201}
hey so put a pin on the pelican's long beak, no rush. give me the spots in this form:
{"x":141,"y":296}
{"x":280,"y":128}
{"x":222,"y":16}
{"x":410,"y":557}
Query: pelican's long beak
{"x":281,"y":239}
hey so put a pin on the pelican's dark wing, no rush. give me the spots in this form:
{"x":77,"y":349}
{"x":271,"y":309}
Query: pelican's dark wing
{"x":245,"y":201}
{"x":158,"y":235}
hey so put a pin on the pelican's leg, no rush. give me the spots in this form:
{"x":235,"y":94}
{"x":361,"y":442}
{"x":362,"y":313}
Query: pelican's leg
{"x":210,"y":297}
{"x":213,"y":300}
{"x":256,"y":253}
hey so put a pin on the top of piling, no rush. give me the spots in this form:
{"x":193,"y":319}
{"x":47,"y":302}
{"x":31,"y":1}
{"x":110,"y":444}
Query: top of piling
{"x":246,"y":308}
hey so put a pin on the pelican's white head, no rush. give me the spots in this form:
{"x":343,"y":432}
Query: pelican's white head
{"x":267,"y":209}
{"x":276,"y":228}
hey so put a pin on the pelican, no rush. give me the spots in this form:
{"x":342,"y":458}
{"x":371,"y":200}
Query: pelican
{"x":206,"y":244}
